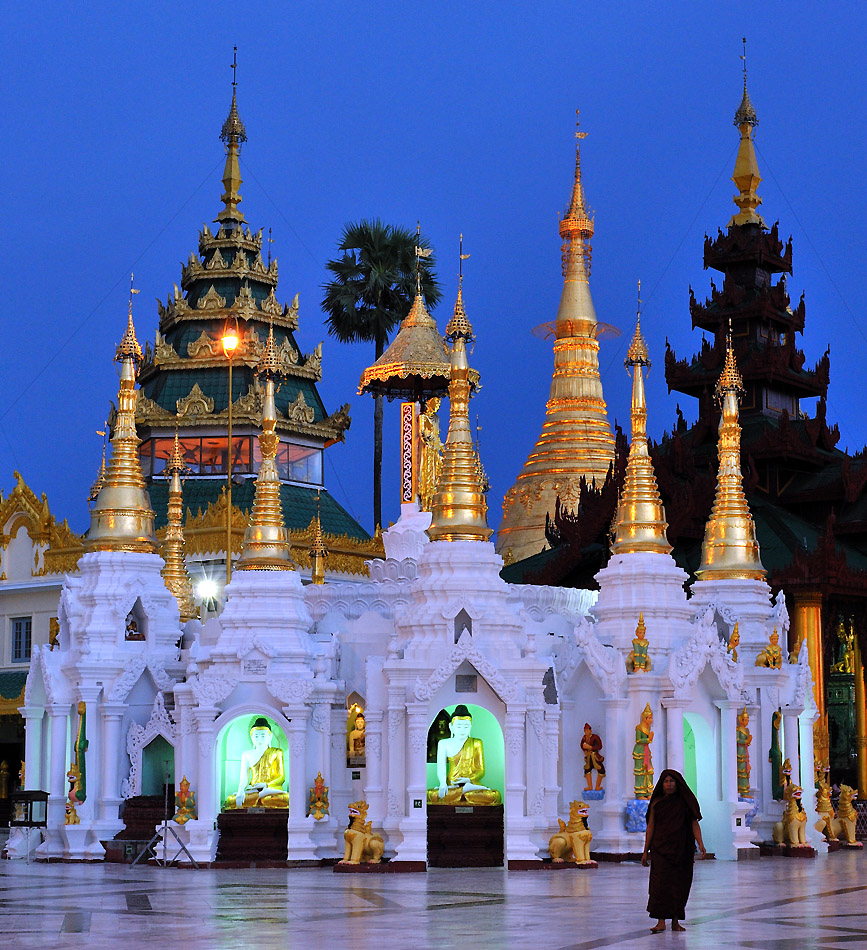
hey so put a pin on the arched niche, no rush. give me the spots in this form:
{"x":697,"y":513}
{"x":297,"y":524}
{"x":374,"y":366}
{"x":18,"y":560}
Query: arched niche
{"x":157,"y":766}
{"x":487,"y":728}
{"x":233,"y":740}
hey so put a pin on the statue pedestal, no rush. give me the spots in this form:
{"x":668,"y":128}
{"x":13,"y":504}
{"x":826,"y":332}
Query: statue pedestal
{"x":593,"y":795}
{"x":201,"y":840}
{"x":465,"y":836}
{"x":246,"y":837}
{"x":80,"y":844}
{"x":636,"y":815}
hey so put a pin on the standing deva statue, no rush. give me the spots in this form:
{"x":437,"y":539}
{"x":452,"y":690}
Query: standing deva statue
{"x":642,"y":763}
{"x":591,"y":746}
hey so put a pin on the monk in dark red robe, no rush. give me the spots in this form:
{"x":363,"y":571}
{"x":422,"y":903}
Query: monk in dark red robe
{"x":669,"y":844}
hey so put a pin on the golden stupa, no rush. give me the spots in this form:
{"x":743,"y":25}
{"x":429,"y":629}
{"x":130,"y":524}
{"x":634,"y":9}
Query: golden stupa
{"x":175,"y":572}
{"x":730,"y":549}
{"x":459,"y":510}
{"x":639,"y":524}
{"x":122,"y":518}
{"x":576,"y":439}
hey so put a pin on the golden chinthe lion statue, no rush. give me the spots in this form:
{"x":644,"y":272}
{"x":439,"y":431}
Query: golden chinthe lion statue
{"x":572,"y":842}
{"x":363,"y":845}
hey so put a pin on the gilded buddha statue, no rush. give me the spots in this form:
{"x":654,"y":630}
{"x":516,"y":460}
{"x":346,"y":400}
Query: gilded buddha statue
{"x":260,"y":784}
{"x":460,"y":766}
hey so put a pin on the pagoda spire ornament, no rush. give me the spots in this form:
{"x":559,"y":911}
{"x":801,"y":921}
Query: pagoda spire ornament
{"x":266,"y":541}
{"x":746,"y":174}
{"x":234,"y":135}
{"x":459,"y":507}
{"x":175,"y":572}
{"x":640,"y":523}
{"x":576,"y":440}
{"x":318,"y":552}
{"x":730,"y":549}
{"x":121,"y":518}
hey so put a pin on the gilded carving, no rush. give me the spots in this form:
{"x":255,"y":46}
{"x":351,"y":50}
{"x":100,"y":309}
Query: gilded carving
{"x":299,"y":411}
{"x":196,"y":403}
{"x":211,"y":301}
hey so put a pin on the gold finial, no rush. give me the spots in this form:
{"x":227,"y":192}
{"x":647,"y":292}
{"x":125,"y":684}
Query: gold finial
{"x":266,"y":541}
{"x":121,"y":518}
{"x":576,"y":225}
{"x":174,"y":571}
{"x":459,"y":323}
{"x":730,"y":549}
{"x":234,"y":135}
{"x":746,"y":174}
{"x":318,"y":551}
{"x":640,"y":523}
{"x":459,"y":508}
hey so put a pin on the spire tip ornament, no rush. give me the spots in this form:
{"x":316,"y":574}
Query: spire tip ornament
{"x":746,"y":174}
{"x":233,"y":134}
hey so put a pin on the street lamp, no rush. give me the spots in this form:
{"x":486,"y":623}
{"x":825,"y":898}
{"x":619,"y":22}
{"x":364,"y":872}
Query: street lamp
{"x":230,"y":341}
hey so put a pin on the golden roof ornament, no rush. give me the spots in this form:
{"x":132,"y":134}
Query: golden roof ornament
{"x":746,"y":174}
{"x":233,"y":134}
{"x":730,"y":549}
{"x":415,"y":366}
{"x":576,"y":440}
{"x":318,"y":551}
{"x":121,"y":518}
{"x":266,"y":541}
{"x":174,"y":571}
{"x":459,"y":507}
{"x":640,"y":523}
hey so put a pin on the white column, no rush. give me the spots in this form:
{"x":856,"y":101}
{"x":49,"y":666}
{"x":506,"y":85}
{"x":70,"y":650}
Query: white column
{"x":551,"y":759}
{"x":790,"y":741}
{"x":58,"y":716}
{"x":728,"y":749}
{"x":516,"y":762}
{"x":396,"y":741}
{"x":112,"y":755}
{"x":609,"y":815}
{"x":674,"y":733}
{"x":373,"y":756}
{"x":413,"y":826}
{"x":208,"y":792}
{"x":33,"y":716}
{"x":301,"y":847}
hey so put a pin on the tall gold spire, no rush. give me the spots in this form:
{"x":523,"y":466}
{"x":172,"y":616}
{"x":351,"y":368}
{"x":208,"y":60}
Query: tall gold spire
{"x":318,"y":551}
{"x":459,"y":507}
{"x":233,"y":134}
{"x":746,"y":174}
{"x":174,"y":571}
{"x":266,"y":540}
{"x":576,"y":439}
{"x":121,"y":518}
{"x":640,"y":523}
{"x":730,"y":549}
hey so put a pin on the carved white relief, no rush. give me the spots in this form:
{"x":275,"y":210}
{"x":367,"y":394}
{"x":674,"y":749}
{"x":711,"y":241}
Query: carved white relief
{"x":780,"y":615}
{"x":138,"y":737}
{"x":705,"y":647}
{"x":210,"y":688}
{"x":534,"y":717}
{"x":803,"y":693}
{"x":395,"y":806}
{"x":373,"y":744}
{"x":321,"y":718}
{"x":465,"y":649}
{"x":395,"y":719}
{"x":514,"y":738}
{"x":727,"y":614}
{"x":290,"y":690}
{"x":297,"y":743}
{"x":417,"y":740}
{"x":604,"y":662}
{"x":538,"y":802}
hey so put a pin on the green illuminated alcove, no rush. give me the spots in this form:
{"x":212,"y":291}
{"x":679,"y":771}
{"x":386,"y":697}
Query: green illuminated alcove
{"x":486,"y":728}
{"x":234,"y":740}
{"x":689,"y":766}
{"x":157,"y":762}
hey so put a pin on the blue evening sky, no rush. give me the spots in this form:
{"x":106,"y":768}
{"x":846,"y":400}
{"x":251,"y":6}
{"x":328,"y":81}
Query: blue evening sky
{"x":460,"y":115}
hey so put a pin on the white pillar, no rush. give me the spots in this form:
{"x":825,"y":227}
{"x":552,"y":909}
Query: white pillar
{"x":58,"y":716}
{"x":32,"y":716}
{"x":413,"y":826}
{"x":301,"y":847}
{"x":516,"y":763}
{"x":610,"y":812}
{"x":112,"y":755}
{"x":674,"y":733}
{"x":728,"y":749}
{"x":551,"y":759}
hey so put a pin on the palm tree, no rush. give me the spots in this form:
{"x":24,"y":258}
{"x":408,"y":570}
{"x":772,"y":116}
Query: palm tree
{"x":372,"y":291}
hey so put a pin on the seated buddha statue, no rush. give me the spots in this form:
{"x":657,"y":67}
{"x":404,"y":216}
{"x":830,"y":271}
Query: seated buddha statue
{"x":261,"y":780}
{"x":460,"y":766}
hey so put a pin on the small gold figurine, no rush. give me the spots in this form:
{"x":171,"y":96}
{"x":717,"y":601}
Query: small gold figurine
{"x":642,"y":763}
{"x":846,"y":814}
{"x":430,"y":452}
{"x":363,"y":845}
{"x":317,"y":803}
{"x":734,"y":643}
{"x":638,"y":660}
{"x":356,"y":736}
{"x":771,"y":656}
{"x":792,"y":829}
{"x":572,"y":842}
{"x":185,"y":803}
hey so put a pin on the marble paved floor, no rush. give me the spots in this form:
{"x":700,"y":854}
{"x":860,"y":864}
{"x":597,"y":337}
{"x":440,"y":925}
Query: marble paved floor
{"x":772,"y":904}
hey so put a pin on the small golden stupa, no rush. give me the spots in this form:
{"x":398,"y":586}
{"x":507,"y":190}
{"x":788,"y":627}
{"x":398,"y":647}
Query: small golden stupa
{"x":175,"y":571}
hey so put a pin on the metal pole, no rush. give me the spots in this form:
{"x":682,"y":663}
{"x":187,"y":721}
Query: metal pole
{"x":229,"y":485}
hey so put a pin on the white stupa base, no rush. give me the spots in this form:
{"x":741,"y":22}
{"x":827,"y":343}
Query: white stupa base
{"x":408,"y":536}
{"x":748,"y":601}
{"x":200,"y":839}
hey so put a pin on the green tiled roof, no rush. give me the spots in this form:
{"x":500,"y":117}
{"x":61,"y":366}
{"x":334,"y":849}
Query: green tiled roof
{"x":299,"y":504}
{"x":11,"y":684}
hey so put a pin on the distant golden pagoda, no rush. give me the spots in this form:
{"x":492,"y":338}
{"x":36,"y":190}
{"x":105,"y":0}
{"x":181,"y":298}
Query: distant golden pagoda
{"x":266,"y":541}
{"x":121,"y":518}
{"x":576,"y":439}
{"x":730,"y":549}
{"x":640,"y":520}
{"x":174,"y":571}
{"x":459,"y":510}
